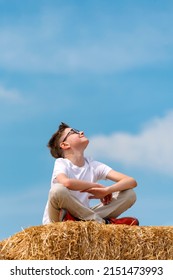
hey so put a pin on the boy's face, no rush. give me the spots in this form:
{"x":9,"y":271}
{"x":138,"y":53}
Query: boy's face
{"x":74,"y":137}
{"x":71,"y":131}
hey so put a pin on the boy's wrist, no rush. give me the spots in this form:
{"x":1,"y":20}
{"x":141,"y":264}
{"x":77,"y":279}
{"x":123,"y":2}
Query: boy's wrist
{"x":98,"y":186}
{"x":109,"y":190}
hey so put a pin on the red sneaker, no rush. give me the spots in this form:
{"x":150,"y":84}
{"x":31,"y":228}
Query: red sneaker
{"x":68,"y":217}
{"x":64,"y":215}
{"x":124,"y":221}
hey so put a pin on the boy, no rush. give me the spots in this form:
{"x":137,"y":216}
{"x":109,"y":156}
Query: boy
{"x":75,"y":181}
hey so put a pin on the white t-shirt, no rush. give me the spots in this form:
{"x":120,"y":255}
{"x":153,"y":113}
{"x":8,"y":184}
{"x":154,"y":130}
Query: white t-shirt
{"x":92,"y":171}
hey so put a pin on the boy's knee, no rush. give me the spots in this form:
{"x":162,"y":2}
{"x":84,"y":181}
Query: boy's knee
{"x":131,"y":196}
{"x":57,"y":191}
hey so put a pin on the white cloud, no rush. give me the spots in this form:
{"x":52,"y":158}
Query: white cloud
{"x":151,"y":148}
{"x":10,"y":95}
{"x":41,"y":45}
{"x":16,"y":105}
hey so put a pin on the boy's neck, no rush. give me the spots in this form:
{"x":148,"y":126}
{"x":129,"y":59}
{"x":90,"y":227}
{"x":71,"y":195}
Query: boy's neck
{"x":77,"y":159}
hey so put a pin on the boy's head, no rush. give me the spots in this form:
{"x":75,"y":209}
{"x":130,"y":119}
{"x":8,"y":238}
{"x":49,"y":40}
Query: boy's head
{"x":65,"y":140}
{"x":54,"y":143}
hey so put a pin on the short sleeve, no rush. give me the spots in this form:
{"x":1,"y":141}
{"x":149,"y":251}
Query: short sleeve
{"x":101,"y":170}
{"x":59,"y":167}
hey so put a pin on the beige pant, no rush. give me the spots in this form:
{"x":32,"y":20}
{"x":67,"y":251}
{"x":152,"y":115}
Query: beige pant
{"x":60,"y":197}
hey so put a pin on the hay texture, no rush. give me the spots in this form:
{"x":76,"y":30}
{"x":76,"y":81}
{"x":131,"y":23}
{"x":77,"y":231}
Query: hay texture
{"x":89,"y":241}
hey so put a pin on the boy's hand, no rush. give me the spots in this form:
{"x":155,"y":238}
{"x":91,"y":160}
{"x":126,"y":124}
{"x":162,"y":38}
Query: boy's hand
{"x":98,"y":193}
{"x":107,"y":199}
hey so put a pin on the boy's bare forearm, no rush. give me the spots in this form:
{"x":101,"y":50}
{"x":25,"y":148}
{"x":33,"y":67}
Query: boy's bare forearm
{"x":124,"y":184}
{"x":79,"y":185}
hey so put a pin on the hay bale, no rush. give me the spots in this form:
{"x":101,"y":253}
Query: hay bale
{"x":89,"y":241}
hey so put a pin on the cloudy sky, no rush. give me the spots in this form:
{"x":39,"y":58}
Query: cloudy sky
{"x":104,"y":67}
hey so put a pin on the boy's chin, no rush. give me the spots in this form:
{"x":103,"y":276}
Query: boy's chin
{"x":86,"y":142}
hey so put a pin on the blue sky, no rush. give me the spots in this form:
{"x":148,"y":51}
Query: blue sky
{"x":104,"y":67}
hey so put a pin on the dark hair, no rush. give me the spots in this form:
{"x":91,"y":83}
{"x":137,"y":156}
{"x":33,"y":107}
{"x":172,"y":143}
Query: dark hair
{"x":53,"y":143}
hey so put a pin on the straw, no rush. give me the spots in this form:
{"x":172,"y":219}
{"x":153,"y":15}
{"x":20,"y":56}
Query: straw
{"x":89,"y":241}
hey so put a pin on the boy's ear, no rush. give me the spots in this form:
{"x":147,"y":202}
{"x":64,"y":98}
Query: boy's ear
{"x":64,"y":145}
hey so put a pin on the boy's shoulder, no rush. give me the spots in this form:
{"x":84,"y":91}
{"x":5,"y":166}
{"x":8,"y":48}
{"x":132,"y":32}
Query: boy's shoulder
{"x":89,"y":160}
{"x":61,"y":161}
{"x":92,"y":161}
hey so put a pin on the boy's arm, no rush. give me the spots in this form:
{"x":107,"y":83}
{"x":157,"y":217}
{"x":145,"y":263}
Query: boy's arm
{"x":123,"y":182}
{"x":75,"y":184}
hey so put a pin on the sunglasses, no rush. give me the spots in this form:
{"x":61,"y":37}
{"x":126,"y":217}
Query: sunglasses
{"x":72,"y":131}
